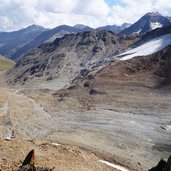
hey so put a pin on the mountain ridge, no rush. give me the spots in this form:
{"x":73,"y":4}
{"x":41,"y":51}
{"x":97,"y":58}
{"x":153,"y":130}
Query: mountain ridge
{"x":68,"y":56}
{"x":11,"y":41}
{"x":49,"y":35}
{"x":115,"y":28}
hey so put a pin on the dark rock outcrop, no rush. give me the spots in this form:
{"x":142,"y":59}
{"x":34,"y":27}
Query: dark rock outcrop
{"x":29,"y":164}
{"x":162,"y":165}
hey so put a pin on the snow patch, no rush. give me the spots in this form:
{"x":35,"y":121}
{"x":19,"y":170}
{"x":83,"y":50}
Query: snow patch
{"x":155,"y":25}
{"x":121,"y":168}
{"x":56,"y":144}
{"x":8,"y":138}
{"x":147,"y":48}
{"x":137,"y":32}
{"x":168,"y":128}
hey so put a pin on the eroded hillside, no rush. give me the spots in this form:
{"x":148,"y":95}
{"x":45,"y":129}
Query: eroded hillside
{"x":67,"y":57}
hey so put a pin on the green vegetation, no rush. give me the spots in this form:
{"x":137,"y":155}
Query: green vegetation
{"x":8,"y":123}
{"x":5,"y":63}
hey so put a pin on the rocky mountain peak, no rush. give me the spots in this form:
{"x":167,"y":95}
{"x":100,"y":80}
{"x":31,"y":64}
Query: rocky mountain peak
{"x":152,"y":14}
{"x":81,"y":26}
{"x":34,"y":28}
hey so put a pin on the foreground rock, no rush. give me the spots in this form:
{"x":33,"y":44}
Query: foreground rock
{"x":163,"y":165}
{"x":28,"y":164}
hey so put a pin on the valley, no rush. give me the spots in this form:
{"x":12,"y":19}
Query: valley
{"x":119,"y":122}
{"x":86,"y":99}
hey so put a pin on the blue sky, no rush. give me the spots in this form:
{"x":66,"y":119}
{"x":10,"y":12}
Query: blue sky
{"x":16,"y":14}
{"x":115,"y":2}
{"x":111,"y":2}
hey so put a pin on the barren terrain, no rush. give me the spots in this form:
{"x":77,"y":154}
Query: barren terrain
{"x":121,"y":118}
{"x":33,"y":127}
{"x":120,"y":112}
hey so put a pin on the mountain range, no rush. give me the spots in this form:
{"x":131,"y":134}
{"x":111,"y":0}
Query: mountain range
{"x":11,"y":42}
{"x":69,"y":56}
{"x":15,"y":44}
{"x":47,"y":36}
{"x":115,"y":28}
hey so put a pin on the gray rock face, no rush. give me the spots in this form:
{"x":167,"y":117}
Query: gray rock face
{"x":67,"y":56}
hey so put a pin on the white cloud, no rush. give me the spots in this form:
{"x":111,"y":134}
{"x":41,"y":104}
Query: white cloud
{"x":132,"y":10}
{"x":59,"y":6}
{"x":15,"y":14}
{"x":163,"y":6}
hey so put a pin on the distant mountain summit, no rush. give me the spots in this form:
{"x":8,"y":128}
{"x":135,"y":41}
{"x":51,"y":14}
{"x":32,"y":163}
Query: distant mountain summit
{"x":10,"y":42}
{"x":148,"y":22}
{"x":83,"y":27}
{"x":115,"y":28}
{"x":34,"y":28}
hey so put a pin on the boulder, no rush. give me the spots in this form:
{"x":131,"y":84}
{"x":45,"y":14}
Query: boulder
{"x":29,"y":164}
{"x":162,"y":165}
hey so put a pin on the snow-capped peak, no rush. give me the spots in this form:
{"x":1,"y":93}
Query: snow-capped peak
{"x":148,"y":22}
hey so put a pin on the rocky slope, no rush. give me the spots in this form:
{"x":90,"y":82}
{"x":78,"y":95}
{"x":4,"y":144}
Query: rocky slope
{"x":148,"y":22}
{"x":68,"y":56}
{"x":152,"y":70}
{"x":139,"y":75}
{"x":121,"y":111}
{"x":47,"y":155}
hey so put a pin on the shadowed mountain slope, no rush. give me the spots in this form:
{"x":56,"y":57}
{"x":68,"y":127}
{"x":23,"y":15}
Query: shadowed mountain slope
{"x":10,"y":42}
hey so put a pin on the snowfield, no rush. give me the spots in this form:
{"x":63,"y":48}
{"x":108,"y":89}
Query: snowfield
{"x":156,"y":25}
{"x":121,"y":168}
{"x":147,"y":48}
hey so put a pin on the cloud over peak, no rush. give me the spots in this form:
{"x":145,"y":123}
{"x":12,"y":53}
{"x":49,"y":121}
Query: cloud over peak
{"x":15,"y":14}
